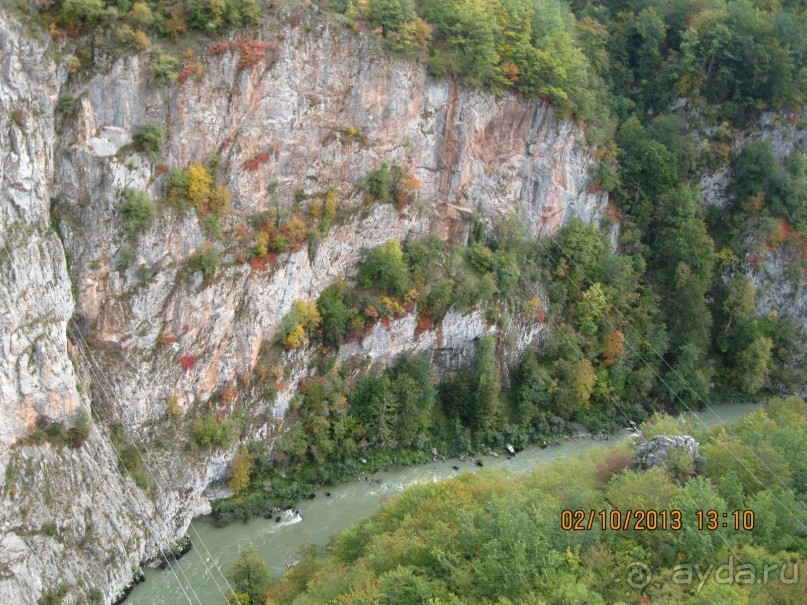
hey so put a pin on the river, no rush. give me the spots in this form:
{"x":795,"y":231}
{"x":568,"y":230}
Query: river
{"x":279,"y":543}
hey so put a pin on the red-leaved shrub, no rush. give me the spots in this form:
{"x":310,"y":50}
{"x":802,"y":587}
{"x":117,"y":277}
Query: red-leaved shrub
{"x":187,"y":362}
{"x":252,"y":52}
{"x":425,"y":323}
{"x":258,"y":263}
{"x":256,"y":161}
{"x":220,"y":48}
{"x":616,"y":462}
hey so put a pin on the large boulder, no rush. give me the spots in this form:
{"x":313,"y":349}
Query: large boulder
{"x":681,"y":451}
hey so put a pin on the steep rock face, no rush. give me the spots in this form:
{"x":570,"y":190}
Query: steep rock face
{"x":471,"y":151}
{"x":66,"y":516}
{"x":36,"y":377}
{"x":466,"y":147}
{"x":783,"y":131}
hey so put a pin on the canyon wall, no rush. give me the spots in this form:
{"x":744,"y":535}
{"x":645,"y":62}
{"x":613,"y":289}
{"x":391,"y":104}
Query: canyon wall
{"x":327,"y":107}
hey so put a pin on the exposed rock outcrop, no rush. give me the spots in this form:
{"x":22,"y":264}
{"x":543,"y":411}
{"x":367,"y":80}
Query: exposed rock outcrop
{"x":657,"y":450}
{"x":36,"y":378}
{"x":67,"y":517}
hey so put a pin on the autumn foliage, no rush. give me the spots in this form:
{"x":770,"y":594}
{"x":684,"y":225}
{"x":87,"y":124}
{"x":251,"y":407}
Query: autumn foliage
{"x":251,"y":51}
{"x":257,"y":161}
{"x":613,"y":348}
{"x":199,"y":183}
{"x":241,"y":470}
{"x":298,"y":325}
{"x":615,"y":463}
{"x":191,"y":68}
{"x":274,"y":239}
{"x":425,"y":323}
{"x":187,"y":362}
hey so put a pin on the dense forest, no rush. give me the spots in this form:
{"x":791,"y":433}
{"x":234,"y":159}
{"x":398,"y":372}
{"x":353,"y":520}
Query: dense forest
{"x":498,"y":538}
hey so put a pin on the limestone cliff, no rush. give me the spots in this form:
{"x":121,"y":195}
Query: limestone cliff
{"x":70,"y":517}
{"x":67,"y":516}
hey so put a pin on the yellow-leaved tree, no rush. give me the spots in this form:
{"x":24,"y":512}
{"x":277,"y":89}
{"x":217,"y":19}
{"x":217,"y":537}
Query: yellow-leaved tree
{"x":307,"y":314}
{"x":241,"y":470}
{"x":298,"y":325}
{"x":331,"y":205}
{"x":295,"y":337}
{"x":199,"y":183}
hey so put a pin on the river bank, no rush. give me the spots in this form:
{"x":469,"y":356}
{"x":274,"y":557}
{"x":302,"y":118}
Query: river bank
{"x":317,"y":519}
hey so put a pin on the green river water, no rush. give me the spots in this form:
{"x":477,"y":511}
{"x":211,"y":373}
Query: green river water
{"x":279,"y":543}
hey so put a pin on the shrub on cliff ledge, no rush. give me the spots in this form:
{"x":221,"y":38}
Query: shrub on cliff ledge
{"x":206,"y":261}
{"x":136,"y":210}
{"x":56,"y":434}
{"x":211,"y":432}
{"x":54,"y":596}
{"x":199,"y":183}
{"x":149,"y":138}
{"x":165,"y":70}
{"x":383,"y":267}
{"x":176,"y":187}
{"x":298,"y":325}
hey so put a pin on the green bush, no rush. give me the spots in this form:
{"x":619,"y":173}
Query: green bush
{"x":55,"y":432}
{"x":54,"y":596}
{"x":206,"y":261}
{"x":176,"y":187}
{"x":389,"y":15}
{"x":149,"y":138}
{"x":378,"y":184}
{"x":165,"y":70}
{"x":212,"y":225}
{"x":66,"y":105}
{"x":756,"y":173}
{"x":125,"y":260}
{"x":82,"y":11}
{"x":144,"y":274}
{"x":338,"y":308}
{"x":250,"y":576}
{"x":80,"y":431}
{"x":130,"y":461}
{"x":213,"y":17}
{"x":208,"y":432}
{"x":383,"y":268}
{"x":384,"y":183}
{"x":137,"y":210}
